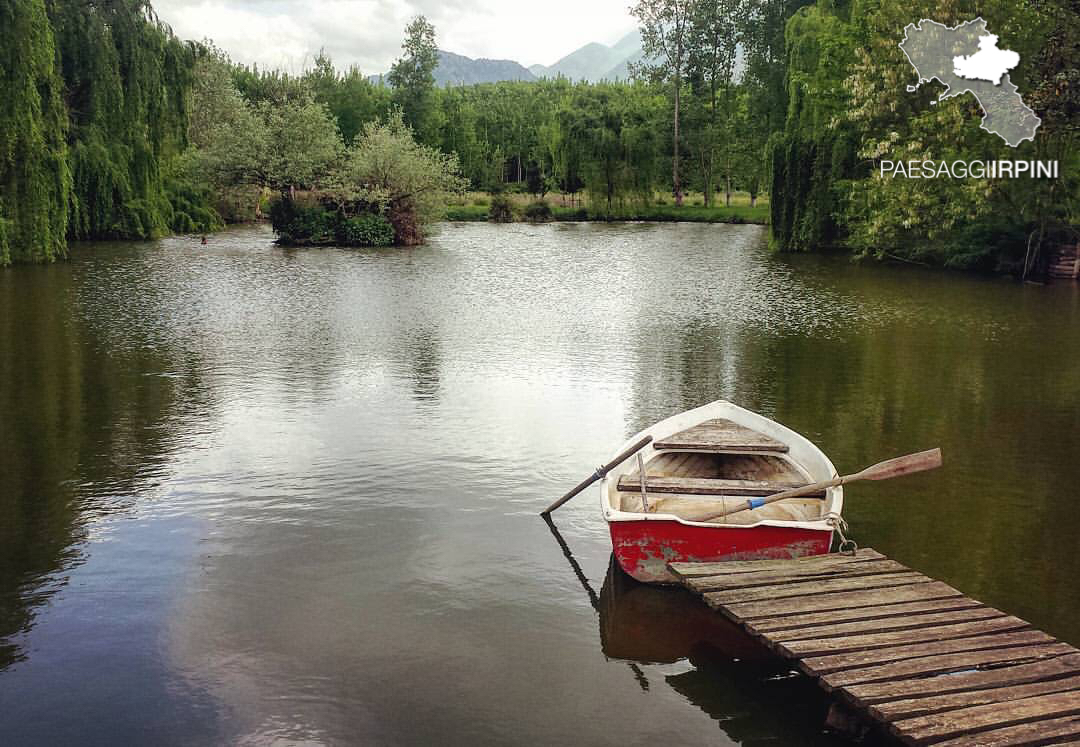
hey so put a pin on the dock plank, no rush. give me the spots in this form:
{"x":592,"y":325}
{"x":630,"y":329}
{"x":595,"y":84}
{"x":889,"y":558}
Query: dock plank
{"x":802,"y":587}
{"x":810,"y":573}
{"x":902,"y":649}
{"x":1019,"y":674}
{"x":1057,"y":731}
{"x":878,"y":625}
{"x":785,"y":565}
{"x":897,"y":710}
{"x":960,"y":721}
{"x":921,"y":666}
{"x":834,"y":601}
{"x":935,"y":634}
{"x":884,"y":612}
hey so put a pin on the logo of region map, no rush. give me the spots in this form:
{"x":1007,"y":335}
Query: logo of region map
{"x":966,"y":59}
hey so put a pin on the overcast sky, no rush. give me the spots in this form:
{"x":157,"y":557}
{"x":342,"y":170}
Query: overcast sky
{"x":289,"y":33}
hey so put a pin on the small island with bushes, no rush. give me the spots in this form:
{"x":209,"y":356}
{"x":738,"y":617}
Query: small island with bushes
{"x":384,"y":189}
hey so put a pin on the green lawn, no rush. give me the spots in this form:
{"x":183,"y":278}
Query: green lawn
{"x":739,"y":212}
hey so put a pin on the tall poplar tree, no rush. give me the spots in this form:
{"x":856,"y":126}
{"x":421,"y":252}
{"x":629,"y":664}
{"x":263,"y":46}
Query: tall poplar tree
{"x":665,"y":41}
{"x":413,"y":79}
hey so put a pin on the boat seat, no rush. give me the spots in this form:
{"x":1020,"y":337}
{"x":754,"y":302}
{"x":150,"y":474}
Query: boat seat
{"x":792,"y":509}
{"x":706,"y":486}
{"x":720,"y":435}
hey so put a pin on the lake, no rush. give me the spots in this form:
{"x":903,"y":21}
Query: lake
{"x":252,"y":494}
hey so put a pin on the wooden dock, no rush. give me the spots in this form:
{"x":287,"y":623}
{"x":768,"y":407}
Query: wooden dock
{"x":901,"y":651}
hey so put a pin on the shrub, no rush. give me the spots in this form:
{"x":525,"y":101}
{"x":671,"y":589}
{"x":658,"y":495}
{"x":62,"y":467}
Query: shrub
{"x":370,"y":229}
{"x":480,"y":202}
{"x":296,"y":224}
{"x":538,"y":212}
{"x":501,"y":210}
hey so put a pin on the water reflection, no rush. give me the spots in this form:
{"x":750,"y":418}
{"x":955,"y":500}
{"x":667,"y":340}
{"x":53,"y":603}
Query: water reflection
{"x":664,"y":625}
{"x":753,"y":696}
{"x":86,"y":431}
{"x":761,"y":701}
{"x":255,"y":494}
{"x":423,"y":360}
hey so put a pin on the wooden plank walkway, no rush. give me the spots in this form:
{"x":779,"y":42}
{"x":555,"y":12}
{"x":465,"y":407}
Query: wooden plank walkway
{"x":901,"y":650}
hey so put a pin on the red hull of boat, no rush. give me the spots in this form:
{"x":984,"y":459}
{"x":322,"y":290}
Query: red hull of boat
{"x":644,"y":548}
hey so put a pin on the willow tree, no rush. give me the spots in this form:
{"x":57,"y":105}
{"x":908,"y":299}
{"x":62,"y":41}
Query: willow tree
{"x":34,"y":179}
{"x":127,"y":79}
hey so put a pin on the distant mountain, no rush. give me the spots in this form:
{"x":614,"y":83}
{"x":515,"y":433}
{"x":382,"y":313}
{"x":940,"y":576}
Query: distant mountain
{"x":595,"y":61}
{"x":457,"y":70}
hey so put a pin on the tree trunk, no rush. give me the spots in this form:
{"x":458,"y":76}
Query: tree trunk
{"x":676,"y":185}
{"x":706,"y":175}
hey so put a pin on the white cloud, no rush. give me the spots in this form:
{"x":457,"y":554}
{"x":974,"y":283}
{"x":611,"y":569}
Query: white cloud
{"x":289,"y":33}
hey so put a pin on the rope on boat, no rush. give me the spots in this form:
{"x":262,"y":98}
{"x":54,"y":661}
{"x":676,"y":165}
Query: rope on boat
{"x":840,"y":525}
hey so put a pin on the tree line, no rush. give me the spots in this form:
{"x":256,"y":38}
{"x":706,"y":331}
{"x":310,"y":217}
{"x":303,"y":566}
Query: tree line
{"x":116,"y":129}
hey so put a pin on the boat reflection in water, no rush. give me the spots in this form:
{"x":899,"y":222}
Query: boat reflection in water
{"x":654,"y":624}
{"x":753,"y":695}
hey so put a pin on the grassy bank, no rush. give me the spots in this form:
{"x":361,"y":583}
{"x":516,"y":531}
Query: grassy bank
{"x":475,"y":207}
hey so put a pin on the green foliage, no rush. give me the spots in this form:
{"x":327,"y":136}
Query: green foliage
{"x":34,"y":174}
{"x":350,"y":97}
{"x":127,"y":80}
{"x":538,"y":212}
{"x":297,"y":145}
{"x":467,"y":213}
{"x":848,"y":108}
{"x":656,"y":211}
{"x":304,"y":225}
{"x":413,"y":79}
{"x":369,"y":229}
{"x":666,"y":42}
{"x":501,"y":210}
{"x":408,"y":181}
{"x":322,"y":225}
{"x":189,"y":208}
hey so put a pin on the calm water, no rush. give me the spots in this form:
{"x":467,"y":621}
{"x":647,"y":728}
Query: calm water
{"x":251,"y":494}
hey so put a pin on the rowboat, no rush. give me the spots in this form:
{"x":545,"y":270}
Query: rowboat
{"x":710,"y":459}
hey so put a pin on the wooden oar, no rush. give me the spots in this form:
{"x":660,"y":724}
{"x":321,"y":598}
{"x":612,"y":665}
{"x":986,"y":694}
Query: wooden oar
{"x":599,"y":474}
{"x":897,"y":467}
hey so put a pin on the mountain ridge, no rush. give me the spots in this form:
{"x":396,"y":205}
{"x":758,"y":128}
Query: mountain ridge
{"x":592,"y":62}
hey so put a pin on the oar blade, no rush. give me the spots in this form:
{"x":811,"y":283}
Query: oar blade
{"x":905,"y":465}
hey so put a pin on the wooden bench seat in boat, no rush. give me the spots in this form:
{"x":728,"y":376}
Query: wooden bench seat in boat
{"x":792,"y":509}
{"x":720,"y":435}
{"x":707,"y":486}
